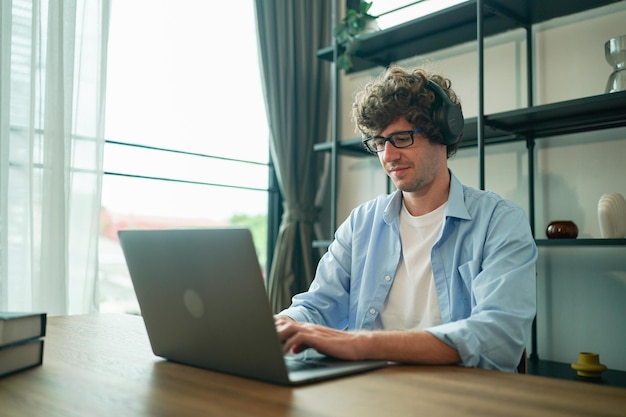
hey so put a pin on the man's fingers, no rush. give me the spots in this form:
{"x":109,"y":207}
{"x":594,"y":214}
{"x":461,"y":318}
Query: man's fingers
{"x":291,"y":334}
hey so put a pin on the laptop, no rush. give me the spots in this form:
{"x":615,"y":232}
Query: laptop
{"x":203,"y":301}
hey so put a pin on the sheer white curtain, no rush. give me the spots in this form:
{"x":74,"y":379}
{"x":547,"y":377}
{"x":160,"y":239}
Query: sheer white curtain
{"x":52,"y":84}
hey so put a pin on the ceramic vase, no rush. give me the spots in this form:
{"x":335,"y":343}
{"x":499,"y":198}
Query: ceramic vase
{"x":612,"y":216}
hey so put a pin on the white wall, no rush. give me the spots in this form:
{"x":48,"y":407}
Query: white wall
{"x":581,"y":291}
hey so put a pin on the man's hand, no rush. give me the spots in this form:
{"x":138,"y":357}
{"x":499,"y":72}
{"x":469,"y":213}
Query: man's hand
{"x":415,"y":346}
{"x":297,"y":337}
{"x":278,"y":317}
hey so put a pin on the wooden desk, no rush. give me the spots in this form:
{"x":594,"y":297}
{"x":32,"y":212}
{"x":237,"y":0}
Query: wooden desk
{"x":102,"y":365}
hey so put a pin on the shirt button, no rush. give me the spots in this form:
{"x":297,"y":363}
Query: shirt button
{"x":387,"y":278}
{"x":372,"y":311}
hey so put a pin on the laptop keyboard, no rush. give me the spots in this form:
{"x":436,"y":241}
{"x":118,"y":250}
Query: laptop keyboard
{"x":303,"y":365}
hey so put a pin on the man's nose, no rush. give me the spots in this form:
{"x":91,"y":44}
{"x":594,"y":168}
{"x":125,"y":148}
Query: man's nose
{"x":390,"y":152}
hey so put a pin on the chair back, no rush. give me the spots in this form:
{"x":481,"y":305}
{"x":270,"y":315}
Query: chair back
{"x":522,"y":366}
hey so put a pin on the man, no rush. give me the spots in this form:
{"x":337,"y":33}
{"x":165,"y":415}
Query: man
{"x":434,"y":273}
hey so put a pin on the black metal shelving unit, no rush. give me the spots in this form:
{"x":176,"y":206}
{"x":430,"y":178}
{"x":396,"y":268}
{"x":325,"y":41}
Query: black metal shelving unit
{"x":473,"y":21}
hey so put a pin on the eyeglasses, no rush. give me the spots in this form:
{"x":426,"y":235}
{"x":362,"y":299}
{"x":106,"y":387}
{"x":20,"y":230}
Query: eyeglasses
{"x":399,"y":140}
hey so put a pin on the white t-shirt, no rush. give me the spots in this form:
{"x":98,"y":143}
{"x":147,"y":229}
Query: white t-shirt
{"x":412,"y":301}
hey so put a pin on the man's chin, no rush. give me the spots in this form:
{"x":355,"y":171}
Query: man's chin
{"x":406,"y":187}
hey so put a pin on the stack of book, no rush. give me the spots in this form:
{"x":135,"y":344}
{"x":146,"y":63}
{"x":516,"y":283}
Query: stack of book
{"x":21,"y":341}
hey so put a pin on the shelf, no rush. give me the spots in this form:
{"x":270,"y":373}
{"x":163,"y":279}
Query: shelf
{"x":349,"y":147}
{"x":543,"y":242}
{"x":321,"y":243}
{"x":603,"y":111}
{"x":564,"y":371}
{"x":354,"y":147}
{"x":453,"y":26}
{"x":581,"y":242}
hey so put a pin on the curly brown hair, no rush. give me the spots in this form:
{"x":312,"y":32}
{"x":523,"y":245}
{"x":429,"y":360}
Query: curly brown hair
{"x":398,"y":93}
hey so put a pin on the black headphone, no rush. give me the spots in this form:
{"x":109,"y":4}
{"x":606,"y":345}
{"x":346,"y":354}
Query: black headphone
{"x":447,"y":115}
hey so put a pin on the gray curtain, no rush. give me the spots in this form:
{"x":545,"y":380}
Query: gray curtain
{"x":296,"y":87}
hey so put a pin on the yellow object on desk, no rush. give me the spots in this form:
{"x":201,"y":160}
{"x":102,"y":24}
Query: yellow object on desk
{"x":589,"y":365}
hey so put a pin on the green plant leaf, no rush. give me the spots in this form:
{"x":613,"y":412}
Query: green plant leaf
{"x":364,"y":7}
{"x":344,"y":62}
{"x":353,"y":46}
{"x":347,"y":31}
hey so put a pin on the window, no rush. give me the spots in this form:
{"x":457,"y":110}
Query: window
{"x":187,"y":139}
{"x":395,"y":12}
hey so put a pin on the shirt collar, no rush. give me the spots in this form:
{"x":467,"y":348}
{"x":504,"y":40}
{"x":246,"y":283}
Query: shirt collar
{"x":456,"y":200}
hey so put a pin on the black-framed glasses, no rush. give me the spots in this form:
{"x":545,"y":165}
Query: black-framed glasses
{"x":399,"y":140}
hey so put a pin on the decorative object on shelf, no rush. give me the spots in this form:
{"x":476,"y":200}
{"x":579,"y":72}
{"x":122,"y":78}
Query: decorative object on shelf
{"x":612,"y":216}
{"x":562,"y":229}
{"x":615,"y":53}
{"x":355,"y":23}
{"x":588,"y":365}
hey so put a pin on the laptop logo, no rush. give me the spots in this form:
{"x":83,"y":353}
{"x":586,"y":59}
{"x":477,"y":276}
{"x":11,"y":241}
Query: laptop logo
{"x":193,"y":303}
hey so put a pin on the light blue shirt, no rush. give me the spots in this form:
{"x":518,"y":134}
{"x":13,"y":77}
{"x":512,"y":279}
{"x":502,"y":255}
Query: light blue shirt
{"x":483,"y":266}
